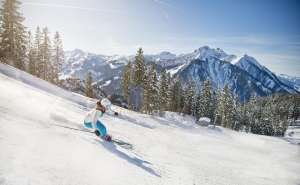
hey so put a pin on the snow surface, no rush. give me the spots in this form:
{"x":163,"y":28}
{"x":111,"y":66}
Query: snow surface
{"x":170,"y":150}
{"x":204,"y":119}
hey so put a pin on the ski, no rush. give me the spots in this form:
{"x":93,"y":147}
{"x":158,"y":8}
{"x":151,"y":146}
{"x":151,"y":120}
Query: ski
{"x":122,"y":144}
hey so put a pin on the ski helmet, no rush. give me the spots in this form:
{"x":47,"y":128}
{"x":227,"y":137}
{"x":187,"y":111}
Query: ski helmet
{"x":106,"y":103}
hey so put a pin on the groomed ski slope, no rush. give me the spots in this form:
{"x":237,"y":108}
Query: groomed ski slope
{"x":170,"y":150}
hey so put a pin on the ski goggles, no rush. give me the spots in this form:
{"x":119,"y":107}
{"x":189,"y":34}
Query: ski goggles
{"x":107,"y":106}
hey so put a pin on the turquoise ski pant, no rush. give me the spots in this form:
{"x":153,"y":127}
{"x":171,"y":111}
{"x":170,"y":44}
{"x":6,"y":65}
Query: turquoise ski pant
{"x":100,"y":127}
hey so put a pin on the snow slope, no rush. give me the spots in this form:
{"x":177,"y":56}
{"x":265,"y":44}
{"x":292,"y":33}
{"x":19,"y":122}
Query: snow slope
{"x":170,"y":150}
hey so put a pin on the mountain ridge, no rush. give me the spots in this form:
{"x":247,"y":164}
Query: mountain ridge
{"x":105,"y":68}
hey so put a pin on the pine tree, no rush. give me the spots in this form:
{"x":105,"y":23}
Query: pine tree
{"x":252,"y":109}
{"x":178,"y":98}
{"x":126,"y":82}
{"x":205,"y":101}
{"x":74,"y":82}
{"x":215,"y":103}
{"x":266,"y":126}
{"x":31,"y":55}
{"x":58,"y":57}
{"x":13,"y":35}
{"x":155,"y":91}
{"x":38,"y":53}
{"x":163,"y":92}
{"x":228,"y":107}
{"x":221,"y":106}
{"x":279,"y":132}
{"x":151,"y":92}
{"x":245,"y":118}
{"x":237,"y":114}
{"x":46,"y":67}
{"x":186,"y":97}
{"x":89,"y":89}
{"x":176,"y":95}
{"x":193,"y":101}
{"x":172,"y":95}
{"x":146,"y":93}
{"x":139,"y":71}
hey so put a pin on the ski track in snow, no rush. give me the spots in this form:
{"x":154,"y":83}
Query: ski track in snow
{"x":170,"y":150}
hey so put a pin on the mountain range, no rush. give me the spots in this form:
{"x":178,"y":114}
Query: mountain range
{"x":244,"y":74}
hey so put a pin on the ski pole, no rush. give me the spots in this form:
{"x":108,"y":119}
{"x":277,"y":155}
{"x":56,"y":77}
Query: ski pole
{"x":71,"y":128}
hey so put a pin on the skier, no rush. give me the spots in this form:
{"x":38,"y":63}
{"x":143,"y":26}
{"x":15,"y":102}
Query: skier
{"x":91,"y":119}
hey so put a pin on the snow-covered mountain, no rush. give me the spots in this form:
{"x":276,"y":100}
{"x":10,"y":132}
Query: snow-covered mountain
{"x":291,"y":81}
{"x":244,"y":74}
{"x":37,"y":148}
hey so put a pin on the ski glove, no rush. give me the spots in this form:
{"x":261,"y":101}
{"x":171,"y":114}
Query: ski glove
{"x":116,"y":114}
{"x":97,"y":133}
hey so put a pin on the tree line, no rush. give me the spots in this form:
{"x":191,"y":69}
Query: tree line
{"x":37,"y":54}
{"x":157,"y":94}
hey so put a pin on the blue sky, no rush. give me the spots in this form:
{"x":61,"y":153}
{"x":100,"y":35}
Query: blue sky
{"x":268,"y":30}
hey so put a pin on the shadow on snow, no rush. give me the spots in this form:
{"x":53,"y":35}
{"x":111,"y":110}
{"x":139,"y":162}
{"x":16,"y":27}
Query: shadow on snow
{"x":135,"y":161}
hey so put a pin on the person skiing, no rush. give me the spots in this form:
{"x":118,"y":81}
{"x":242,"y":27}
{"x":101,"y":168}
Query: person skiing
{"x":91,"y":119}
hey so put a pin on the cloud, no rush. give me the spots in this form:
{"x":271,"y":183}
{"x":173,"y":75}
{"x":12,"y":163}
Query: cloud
{"x":74,"y":7}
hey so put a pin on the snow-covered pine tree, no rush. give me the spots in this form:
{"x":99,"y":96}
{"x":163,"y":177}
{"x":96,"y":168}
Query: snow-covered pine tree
{"x":249,"y":111}
{"x":176,"y":94}
{"x":215,"y":98}
{"x":57,"y":57}
{"x":290,"y":114}
{"x":38,"y":52}
{"x":74,"y":82}
{"x":190,"y":97}
{"x":127,"y":82}
{"x":154,"y":90}
{"x":186,"y":97}
{"x":245,"y":119}
{"x":205,"y":101}
{"x":46,"y":65}
{"x":172,"y":95}
{"x":146,"y":93}
{"x":150,"y":92}
{"x":178,"y":90}
{"x":296,"y":107}
{"x":252,"y":108}
{"x":266,"y":126}
{"x":259,"y":111}
{"x":163,"y":92}
{"x":209,"y":94}
{"x":279,"y":132}
{"x":228,"y":107}
{"x":31,"y":54}
{"x":13,"y":35}
{"x":89,"y":89}
{"x":276,"y":119}
{"x":139,"y":73}
{"x":200,"y":107}
{"x":193,"y":101}
{"x":221,"y":107}
{"x":237,"y":113}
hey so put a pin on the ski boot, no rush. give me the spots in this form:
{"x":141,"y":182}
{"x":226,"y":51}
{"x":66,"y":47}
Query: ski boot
{"x":107,"y":138}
